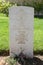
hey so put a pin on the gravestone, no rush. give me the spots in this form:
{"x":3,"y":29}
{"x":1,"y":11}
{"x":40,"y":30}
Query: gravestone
{"x":21,"y":30}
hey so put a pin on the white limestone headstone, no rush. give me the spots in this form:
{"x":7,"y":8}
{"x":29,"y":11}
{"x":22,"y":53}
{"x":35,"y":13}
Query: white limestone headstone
{"x":21,"y":30}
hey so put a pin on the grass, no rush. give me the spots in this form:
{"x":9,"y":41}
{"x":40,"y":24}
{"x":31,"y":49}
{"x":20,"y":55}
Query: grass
{"x":4,"y":43}
{"x":4,"y":33}
{"x":38,"y":34}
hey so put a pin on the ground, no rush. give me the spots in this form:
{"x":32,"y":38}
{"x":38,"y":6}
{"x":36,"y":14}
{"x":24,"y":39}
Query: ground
{"x":39,"y":56}
{"x":39,"y":60}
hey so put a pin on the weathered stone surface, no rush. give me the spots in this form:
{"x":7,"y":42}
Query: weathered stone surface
{"x":21,"y":30}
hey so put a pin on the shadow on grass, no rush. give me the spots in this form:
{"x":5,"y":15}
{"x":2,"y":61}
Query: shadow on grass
{"x":4,"y":52}
{"x":39,"y":16}
{"x":40,"y":52}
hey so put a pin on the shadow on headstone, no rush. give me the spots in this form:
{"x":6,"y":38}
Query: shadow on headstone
{"x":22,"y":60}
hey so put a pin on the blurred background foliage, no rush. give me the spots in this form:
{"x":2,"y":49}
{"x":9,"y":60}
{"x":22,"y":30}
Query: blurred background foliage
{"x":37,"y":4}
{"x":4,"y":7}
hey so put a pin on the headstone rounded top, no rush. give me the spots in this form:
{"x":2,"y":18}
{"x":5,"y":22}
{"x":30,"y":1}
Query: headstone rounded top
{"x":23,"y":7}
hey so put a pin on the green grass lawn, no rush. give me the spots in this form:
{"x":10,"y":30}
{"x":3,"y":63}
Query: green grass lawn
{"x":4,"y":41}
{"x":38,"y":34}
{"x":4,"y":35}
